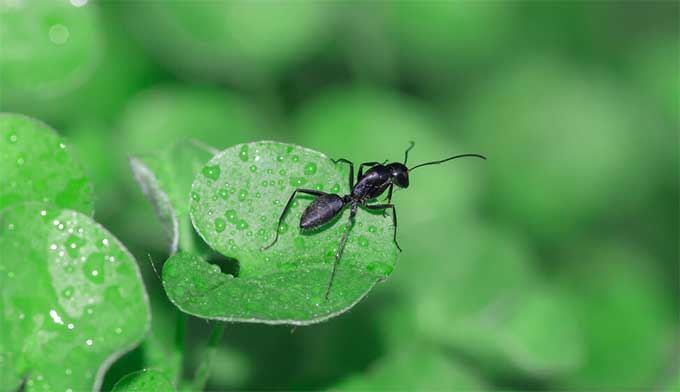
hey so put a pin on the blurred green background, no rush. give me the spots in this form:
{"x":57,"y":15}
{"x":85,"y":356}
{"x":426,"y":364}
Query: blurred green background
{"x":553,"y":265}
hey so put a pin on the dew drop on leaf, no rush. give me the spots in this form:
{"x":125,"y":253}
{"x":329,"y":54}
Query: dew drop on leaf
{"x":231,"y":216}
{"x":363,"y":241}
{"x":211,"y":172}
{"x":93,"y":268}
{"x":310,"y":168}
{"x":220,"y":225}
{"x":242,"y":194}
{"x":243,"y":154}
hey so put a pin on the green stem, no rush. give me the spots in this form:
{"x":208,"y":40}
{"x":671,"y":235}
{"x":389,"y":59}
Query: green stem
{"x":180,"y":337}
{"x":203,"y":371}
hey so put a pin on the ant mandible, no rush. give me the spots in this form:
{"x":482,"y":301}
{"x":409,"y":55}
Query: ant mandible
{"x":369,"y":186}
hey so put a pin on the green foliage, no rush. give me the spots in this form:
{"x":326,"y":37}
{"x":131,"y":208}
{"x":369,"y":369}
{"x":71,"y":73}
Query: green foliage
{"x":165,"y":177}
{"x":415,"y":368}
{"x":48,"y":47}
{"x":36,"y":165}
{"x":85,"y":306}
{"x":144,"y":380}
{"x":236,"y":201}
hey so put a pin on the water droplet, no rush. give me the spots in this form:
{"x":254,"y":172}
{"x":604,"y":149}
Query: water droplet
{"x":295,"y":158}
{"x":223,"y":193}
{"x":242,"y":194}
{"x":20,"y":160}
{"x":380,"y":268}
{"x":89,"y":342}
{"x":282,"y":172}
{"x":253,"y":168}
{"x":297,"y":181}
{"x":294,"y":204}
{"x":299,"y":242}
{"x":318,"y":187}
{"x":363,"y":241}
{"x":67,"y":292}
{"x":195,"y":196}
{"x":12,"y":137}
{"x":231,"y":216}
{"x":272,"y":182}
{"x":279,"y":158}
{"x":264,"y":183}
{"x":220,"y":225}
{"x":93,"y":268}
{"x":335,"y":188}
{"x":58,"y":34}
{"x":372,"y":229}
{"x":270,"y":171}
{"x":242,"y":224}
{"x":243,"y":154}
{"x":214,"y":268}
{"x":73,"y":243}
{"x":283,"y":228}
{"x":310,"y":168}
{"x":212,"y":172}
{"x":258,"y":195}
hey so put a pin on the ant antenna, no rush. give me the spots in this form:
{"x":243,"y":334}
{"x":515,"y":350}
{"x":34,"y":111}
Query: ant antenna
{"x":447,"y":159}
{"x":407,"y":150}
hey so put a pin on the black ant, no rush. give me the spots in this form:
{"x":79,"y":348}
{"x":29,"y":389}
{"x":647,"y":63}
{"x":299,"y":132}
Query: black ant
{"x":369,"y":186}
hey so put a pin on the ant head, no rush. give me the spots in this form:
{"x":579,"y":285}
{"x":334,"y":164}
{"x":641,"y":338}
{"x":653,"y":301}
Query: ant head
{"x":399,"y":174}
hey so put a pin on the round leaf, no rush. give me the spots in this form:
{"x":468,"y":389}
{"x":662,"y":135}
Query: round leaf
{"x":236,"y":202}
{"x":73,"y":299}
{"x":36,"y":166}
{"x":144,"y":380}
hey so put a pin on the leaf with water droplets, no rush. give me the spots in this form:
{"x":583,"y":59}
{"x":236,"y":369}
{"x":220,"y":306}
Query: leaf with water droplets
{"x":73,"y":299}
{"x":235,"y":205}
{"x":165,"y":178}
{"x":144,"y":380}
{"x":36,"y":165}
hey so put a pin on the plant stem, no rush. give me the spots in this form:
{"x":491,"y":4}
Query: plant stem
{"x":180,"y":337}
{"x":203,"y":371}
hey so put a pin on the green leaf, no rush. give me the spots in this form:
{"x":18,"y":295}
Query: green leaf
{"x":143,"y":381}
{"x":415,"y":369}
{"x":72,"y":296}
{"x":36,"y":166}
{"x":236,"y":202}
{"x":165,"y":178}
{"x":47,"y":48}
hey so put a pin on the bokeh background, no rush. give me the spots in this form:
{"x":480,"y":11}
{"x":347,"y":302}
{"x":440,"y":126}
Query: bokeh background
{"x":553,"y":265}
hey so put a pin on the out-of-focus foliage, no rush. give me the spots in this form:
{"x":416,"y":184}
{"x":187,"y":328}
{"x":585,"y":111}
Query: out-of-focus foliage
{"x":552,"y":265}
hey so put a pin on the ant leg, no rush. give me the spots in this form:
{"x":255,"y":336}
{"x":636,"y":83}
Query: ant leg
{"x":351,"y":171}
{"x":383,"y":207}
{"x":367,"y":164}
{"x":341,"y":247}
{"x":290,"y":200}
{"x":389,"y":194}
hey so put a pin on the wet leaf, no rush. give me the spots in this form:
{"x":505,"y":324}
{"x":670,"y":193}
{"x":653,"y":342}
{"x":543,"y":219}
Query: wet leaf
{"x":165,"y":178}
{"x":143,"y":381}
{"x":72,"y":295}
{"x":236,"y":202}
{"x":415,"y":369}
{"x":36,"y":165}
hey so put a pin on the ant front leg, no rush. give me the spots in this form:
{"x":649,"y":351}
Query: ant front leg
{"x":351,"y":171}
{"x":285,"y":209}
{"x":383,"y":207}
{"x":341,"y":247}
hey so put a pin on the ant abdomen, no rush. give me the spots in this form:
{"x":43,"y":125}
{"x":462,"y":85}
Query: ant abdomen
{"x":321,"y":210}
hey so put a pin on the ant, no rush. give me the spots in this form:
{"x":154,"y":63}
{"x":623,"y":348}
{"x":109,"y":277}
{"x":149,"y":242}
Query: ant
{"x":369,"y":186}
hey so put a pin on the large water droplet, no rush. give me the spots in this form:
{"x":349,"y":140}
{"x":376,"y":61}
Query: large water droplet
{"x":282,"y":228}
{"x":242,"y":224}
{"x":220,"y":225}
{"x":231,"y":216}
{"x":297,"y":181}
{"x":380,"y":268}
{"x":310,"y":168}
{"x":93,"y":268}
{"x":242,"y":194}
{"x":363,"y":241}
{"x":212,"y":172}
{"x":73,"y":243}
{"x":243,"y":154}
